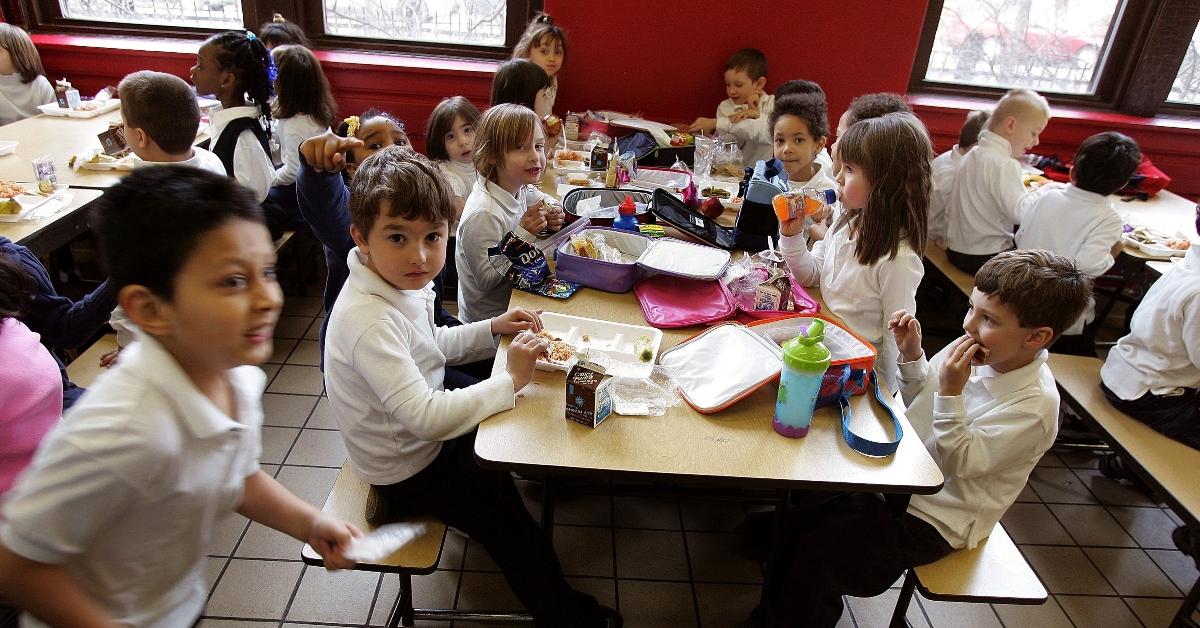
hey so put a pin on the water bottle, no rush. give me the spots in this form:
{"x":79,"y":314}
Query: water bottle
{"x":805,"y":360}
{"x":805,"y":201}
{"x":627,"y":215}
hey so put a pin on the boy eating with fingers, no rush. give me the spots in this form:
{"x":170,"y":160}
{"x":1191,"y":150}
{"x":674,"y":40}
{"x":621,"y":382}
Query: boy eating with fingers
{"x":986,"y":408}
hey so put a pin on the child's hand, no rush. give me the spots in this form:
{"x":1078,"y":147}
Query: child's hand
{"x":523,"y":353}
{"x":556,"y":216}
{"x":327,"y":152}
{"x":703,"y":125}
{"x":110,"y":358}
{"x":534,"y":219}
{"x":330,"y":537}
{"x":906,"y":329}
{"x":516,"y":320}
{"x":792,"y":226}
{"x":957,"y":368}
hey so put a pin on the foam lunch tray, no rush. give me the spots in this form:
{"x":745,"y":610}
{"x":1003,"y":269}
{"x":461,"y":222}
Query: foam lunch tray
{"x":611,"y":344}
{"x":663,"y":256}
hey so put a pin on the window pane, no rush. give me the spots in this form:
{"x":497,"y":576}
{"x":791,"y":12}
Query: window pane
{"x":196,"y":13}
{"x":1047,"y":45}
{"x":478,"y":22}
{"x":1187,"y":85}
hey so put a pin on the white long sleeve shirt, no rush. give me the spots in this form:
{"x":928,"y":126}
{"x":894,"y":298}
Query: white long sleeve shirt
{"x":985,"y":199}
{"x":490,"y":212}
{"x":385,"y":361}
{"x":292,"y":132}
{"x":986,"y":441}
{"x":461,"y":177}
{"x":864,"y":297}
{"x":753,"y":134}
{"x":1073,"y":223}
{"x":1161,"y":353}
{"x":943,"y":168}
{"x":252,"y":165}
{"x":20,"y":100}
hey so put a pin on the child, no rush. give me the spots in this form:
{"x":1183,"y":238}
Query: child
{"x":522,"y":82}
{"x":510,"y":157}
{"x":23,"y":85}
{"x":986,"y":408}
{"x":744,"y":114}
{"x":987,"y":195}
{"x":412,"y":440}
{"x":280,"y":32}
{"x":304,"y":107}
{"x":375,"y":130}
{"x":450,"y":141}
{"x":545,"y":44}
{"x":796,"y":87}
{"x":869,"y":264}
{"x":945,"y":168}
{"x":31,"y":390}
{"x":109,"y":523}
{"x":1078,"y":221}
{"x":800,"y":125}
{"x":161,"y":118}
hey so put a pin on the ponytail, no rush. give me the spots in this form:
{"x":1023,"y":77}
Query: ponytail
{"x":252,"y":65}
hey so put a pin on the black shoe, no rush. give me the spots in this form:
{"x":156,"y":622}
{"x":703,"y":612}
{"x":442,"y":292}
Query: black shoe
{"x":1113,"y":467}
{"x":1186,"y":542}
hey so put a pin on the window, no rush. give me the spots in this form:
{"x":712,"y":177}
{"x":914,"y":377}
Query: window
{"x":480,"y":22}
{"x":1187,"y":83}
{"x":212,"y":14}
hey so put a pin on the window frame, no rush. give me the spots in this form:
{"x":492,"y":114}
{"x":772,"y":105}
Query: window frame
{"x":1118,"y":87}
{"x":46,"y":16}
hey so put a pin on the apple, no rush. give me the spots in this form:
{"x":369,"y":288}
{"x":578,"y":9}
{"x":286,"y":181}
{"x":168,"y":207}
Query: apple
{"x":712,"y":207}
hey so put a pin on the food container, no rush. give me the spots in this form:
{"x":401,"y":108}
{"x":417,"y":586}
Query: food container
{"x":87,"y":109}
{"x":580,"y":203}
{"x":618,"y":346}
{"x":845,"y":346}
{"x":677,"y":213}
{"x":664,"y":256}
{"x":589,"y":394}
{"x":747,"y":360}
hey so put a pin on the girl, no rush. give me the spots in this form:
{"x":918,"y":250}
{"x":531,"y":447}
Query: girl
{"x":869,"y":264}
{"x":800,"y":128}
{"x":450,"y":139}
{"x":304,"y":107}
{"x":522,"y":82}
{"x":375,"y":129}
{"x":237,"y":69}
{"x":22,"y":84}
{"x":280,"y":32}
{"x":545,"y":44}
{"x":510,"y":157}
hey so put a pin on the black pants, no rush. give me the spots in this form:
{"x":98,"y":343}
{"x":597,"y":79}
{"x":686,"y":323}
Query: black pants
{"x":966,"y":262}
{"x":846,"y":544}
{"x":486,"y":506}
{"x":1177,"y":417}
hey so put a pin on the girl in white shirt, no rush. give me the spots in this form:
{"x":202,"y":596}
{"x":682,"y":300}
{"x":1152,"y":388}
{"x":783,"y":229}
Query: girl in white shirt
{"x":304,"y":108}
{"x":869,"y":264}
{"x":450,"y":138}
{"x":545,"y":44}
{"x":23,"y":85}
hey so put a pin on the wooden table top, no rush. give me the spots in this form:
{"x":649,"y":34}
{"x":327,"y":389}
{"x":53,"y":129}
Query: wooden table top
{"x":735,"y":447}
{"x":24,"y":231}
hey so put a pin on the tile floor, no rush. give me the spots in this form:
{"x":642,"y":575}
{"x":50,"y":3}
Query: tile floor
{"x":1103,"y":550}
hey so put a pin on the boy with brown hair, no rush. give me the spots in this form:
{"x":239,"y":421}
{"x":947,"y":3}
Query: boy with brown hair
{"x":744,"y":113}
{"x":986,"y":408}
{"x":161,"y":119}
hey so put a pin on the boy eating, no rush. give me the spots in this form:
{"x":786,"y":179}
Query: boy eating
{"x":110,"y":522}
{"x":744,"y":113}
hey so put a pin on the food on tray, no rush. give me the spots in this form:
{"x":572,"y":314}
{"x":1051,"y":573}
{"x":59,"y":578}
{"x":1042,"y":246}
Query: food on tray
{"x":1034,"y":180}
{"x":98,"y":158}
{"x":715,"y":191}
{"x":1149,"y":237}
{"x":8,"y":204}
{"x":558,"y":351}
{"x":1178,"y":244}
{"x":577,"y":178}
{"x":569,"y":155}
{"x":643,"y":348}
{"x":89,"y":105}
{"x":680,"y":138}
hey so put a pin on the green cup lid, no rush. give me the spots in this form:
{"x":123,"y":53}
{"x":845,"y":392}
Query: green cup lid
{"x":806,"y":352}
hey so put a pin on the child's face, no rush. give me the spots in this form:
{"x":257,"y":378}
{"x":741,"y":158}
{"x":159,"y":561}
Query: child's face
{"x":1024,"y":132}
{"x":6,"y":62}
{"x":994,"y":324}
{"x":541,"y":103}
{"x":856,"y":189}
{"x":207,"y":74}
{"x":796,"y":147}
{"x":842,"y":125}
{"x":740,"y":88}
{"x":375,"y":133}
{"x":226,"y":299}
{"x":406,"y":252}
{"x":524,"y":164}
{"x":548,"y":55}
{"x":460,"y":141}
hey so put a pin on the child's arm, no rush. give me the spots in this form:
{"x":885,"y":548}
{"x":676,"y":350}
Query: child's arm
{"x":252,"y":166}
{"x":48,"y":592}
{"x":62,"y":324}
{"x":804,"y":265}
{"x":1096,"y":254}
{"x":320,"y":191}
{"x":1010,"y":194}
{"x":476,"y":234}
{"x":914,"y":370}
{"x":266,"y":501}
{"x":473,"y":341}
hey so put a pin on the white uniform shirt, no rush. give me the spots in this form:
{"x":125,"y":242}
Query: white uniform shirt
{"x":483,"y":292}
{"x":985,"y":199}
{"x":292,"y":132}
{"x":986,"y":441}
{"x":820,"y":181}
{"x":1073,"y":223}
{"x":205,"y":160}
{"x":461,"y":177}
{"x":384,"y":365}
{"x":20,"y":100}
{"x":826,"y":162}
{"x":1161,"y":353}
{"x":754,"y":134}
{"x":943,"y":168}
{"x":862,"y":296}
{"x":252,"y":165}
{"x":125,"y":491}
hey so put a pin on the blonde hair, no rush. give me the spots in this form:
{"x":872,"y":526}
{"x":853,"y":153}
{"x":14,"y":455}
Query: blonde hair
{"x":501,"y":129}
{"x":1018,"y":103}
{"x":20,"y":48}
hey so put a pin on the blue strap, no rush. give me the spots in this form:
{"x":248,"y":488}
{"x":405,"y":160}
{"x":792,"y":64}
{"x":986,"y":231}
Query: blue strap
{"x":858,"y":443}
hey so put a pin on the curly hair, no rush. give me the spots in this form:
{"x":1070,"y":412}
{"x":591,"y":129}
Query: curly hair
{"x":876,"y":105}
{"x":808,"y":107}
{"x":247,"y":56}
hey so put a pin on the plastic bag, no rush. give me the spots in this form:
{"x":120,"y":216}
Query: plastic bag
{"x":645,"y":396}
{"x":383,"y":541}
{"x":728,"y":161}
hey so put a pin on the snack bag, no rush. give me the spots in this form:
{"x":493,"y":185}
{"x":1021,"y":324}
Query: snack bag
{"x":528,"y":269}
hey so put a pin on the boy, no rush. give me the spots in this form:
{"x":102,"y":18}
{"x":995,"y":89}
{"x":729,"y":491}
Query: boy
{"x":945,"y":168}
{"x":384,"y":364}
{"x":800,"y":127}
{"x":1078,"y":221}
{"x":796,"y":87}
{"x":744,"y":113}
{"x":986,"y":408}
{"x":161,"y":118}
{"x":986,"y":198}
{"x":109,"y":523}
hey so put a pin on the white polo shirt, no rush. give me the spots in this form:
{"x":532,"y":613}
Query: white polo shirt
{"x":753,"y":134}
{"x":943,"y":169}
{"x":985,"y":199}
{"x":125,"y":491}
{"x":252,"y":165}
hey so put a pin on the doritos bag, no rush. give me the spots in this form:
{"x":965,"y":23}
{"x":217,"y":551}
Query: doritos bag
{"x":528,"y":269}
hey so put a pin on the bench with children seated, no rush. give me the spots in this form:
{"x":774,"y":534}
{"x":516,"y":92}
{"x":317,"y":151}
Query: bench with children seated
{"x":992,"y":572}
{"x":348,"y":501}
{"x":1164,"y":464}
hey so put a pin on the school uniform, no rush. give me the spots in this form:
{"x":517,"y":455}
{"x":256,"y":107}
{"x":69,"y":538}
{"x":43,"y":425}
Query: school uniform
{"x":943,"y":170}
{"x":822,"y":180}
{"x":204,"y":160}
{"x":862,"y":296}
{"x":754,"y":134}
{"x":252,"y":165}
{"x":826,"y":162}
{"x":986,"y":442}
{"x":461,"y":177}
{"x":31,"y":398}
{"x":1153,"y":374}
{"x":1074,"y":223}
{"x":490,"y":213}
{"x":124,"y":493}
{"x":20,"y":100}
{"x":292,"y":132}
{"x":984,"y":204}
